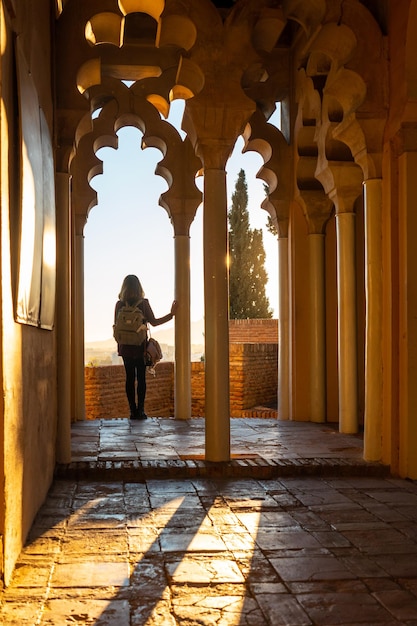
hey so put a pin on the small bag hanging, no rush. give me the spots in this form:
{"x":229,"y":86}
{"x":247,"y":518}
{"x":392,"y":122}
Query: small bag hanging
{"x":153,"y":354}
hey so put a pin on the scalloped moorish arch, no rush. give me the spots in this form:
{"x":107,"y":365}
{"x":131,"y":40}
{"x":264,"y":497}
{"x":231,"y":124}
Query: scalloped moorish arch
{"x":128,"y":107}
{"x":118,"y":106}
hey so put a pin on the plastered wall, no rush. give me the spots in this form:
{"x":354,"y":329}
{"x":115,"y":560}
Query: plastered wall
{"x":28,"y":366}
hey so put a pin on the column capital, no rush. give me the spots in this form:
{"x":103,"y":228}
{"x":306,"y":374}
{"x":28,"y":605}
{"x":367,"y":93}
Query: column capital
{"x":406,"y":139}
{"x":214,"y":153}
{"x":317,"y":208}
{"x":215,"y":118}
{"x":342,"y":181}
{"x":344,"y":200}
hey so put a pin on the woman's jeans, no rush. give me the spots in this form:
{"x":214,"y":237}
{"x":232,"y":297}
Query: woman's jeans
{"x":135,"y":369}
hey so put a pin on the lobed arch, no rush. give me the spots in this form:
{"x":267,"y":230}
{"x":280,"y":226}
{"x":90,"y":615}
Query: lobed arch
{"x":348,"y":93}
{"x":269,"y":142}
{"x":117,"y":106}
{"x":309,"y":191}
{"x":178,"y":166}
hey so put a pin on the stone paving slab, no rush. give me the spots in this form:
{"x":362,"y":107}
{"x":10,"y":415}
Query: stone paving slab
{"x":126,"y":450}
{"x":287,"y":551}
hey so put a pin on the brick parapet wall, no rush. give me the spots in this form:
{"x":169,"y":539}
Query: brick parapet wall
{"x":253,"y":382}
{"x":253,"y":378}
{"x":105,"y":395}
{"x":253,"y":331}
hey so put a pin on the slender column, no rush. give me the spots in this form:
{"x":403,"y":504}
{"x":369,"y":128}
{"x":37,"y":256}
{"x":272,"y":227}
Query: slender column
{"x":63,"y":318}
{"x":407,"y":312}
{"x":374,"y":329}
{"x":283,"y":332}
{"x":182,"y":328}
{"x":78,"y":327}
{"x":317,"y":329}
{"x":216,"y":316}
{"x":347,"y":332}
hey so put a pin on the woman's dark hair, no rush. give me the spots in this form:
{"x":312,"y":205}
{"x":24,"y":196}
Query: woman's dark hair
{"x":131,"y":290}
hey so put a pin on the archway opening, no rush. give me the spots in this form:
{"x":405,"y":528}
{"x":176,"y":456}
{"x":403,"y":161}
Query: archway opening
{"x":128,"y":232}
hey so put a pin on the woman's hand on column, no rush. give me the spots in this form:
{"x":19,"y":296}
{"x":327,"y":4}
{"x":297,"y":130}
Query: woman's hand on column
{"x":174,"y":308}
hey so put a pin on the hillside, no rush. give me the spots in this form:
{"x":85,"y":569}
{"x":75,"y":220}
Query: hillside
{"x":104,"y":351}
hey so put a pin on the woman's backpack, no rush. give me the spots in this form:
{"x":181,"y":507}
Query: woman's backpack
{"x":130,"y":327}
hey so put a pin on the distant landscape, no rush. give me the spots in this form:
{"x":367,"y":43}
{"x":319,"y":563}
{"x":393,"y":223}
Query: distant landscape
{"x":99,"y":353}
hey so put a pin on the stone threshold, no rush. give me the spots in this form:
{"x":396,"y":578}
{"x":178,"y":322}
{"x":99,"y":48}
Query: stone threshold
{"x":244,"y":467}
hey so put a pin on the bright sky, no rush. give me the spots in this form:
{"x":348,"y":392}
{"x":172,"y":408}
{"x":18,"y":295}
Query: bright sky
{"x":129,"y":233}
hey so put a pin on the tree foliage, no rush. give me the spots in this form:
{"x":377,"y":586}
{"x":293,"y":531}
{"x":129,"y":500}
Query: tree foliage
{"x":247,"y":274}
{"x":270,"y":224}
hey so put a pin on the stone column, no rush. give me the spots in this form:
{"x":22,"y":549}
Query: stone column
{"x":182,"y":381}
{"x":216,"y":295}
{"x":317,"y":328}
{"x":347,"y":332}
{"x":283,"y":332}
{"x":407,"y":374}
{"x":181,"y":201}
{"x":374,"y":321}
{"x":77,"y":301}
{"x":63,"y":317}
{"x":214,"y":119}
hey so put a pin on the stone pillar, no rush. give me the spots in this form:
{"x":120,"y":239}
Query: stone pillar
{"x":374,"y":320}
{"x":63,"y":317}
{"x":214,"y":119}
{"x":317,"y":328}
{"x":346,"y":326}
{"x":216,"y":295}
{"x":182,"y":381}
{"x":283,"y":332}
{"x":77,"y":301}
{"x":407,"y":374}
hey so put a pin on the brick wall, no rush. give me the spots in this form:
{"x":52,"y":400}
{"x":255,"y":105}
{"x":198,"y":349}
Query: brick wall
{"x":253,"y":331}
{"x":105,"y":395}
{"x":253,"y":382}
{"x":253,"y":378}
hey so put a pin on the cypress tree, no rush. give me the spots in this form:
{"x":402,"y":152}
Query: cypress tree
{"x":247,"y":274}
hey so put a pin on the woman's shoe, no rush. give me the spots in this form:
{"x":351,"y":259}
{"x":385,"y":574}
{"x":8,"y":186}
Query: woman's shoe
{"x":141,"y":415}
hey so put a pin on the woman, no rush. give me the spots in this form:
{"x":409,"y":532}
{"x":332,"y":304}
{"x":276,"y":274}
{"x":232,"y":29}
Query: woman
{"x":131,"y":294}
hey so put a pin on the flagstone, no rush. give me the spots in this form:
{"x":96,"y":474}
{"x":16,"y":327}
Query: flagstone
{"x":90,"y":574}
{"x":207,"y":570}
{"x":304,"y":568}
{"x":103,"y":612}
{"x":343,"y":608}
{"x":287,"y":550}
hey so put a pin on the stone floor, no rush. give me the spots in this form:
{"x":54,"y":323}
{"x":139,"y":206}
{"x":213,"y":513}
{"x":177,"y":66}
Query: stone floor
{"x":313,"y":548}
{"x":168,"y":448}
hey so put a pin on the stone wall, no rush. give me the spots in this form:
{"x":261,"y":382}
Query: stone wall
{"x":253,"y":382}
